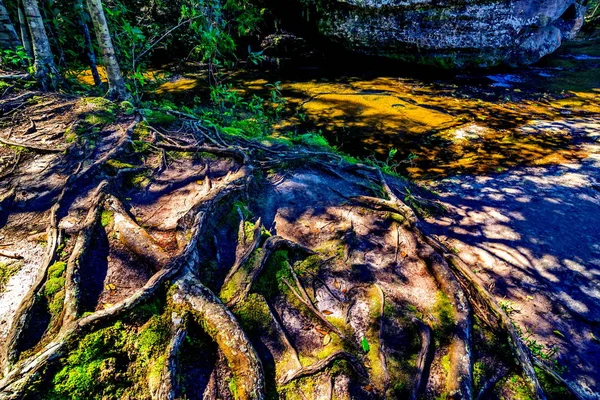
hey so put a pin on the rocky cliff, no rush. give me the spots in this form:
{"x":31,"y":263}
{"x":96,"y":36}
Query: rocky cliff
{"x":452,"y":33}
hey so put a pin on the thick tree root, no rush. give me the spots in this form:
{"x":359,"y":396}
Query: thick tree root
{"x":222,"y":326}
{"x":168,"y":388}
{"x":134,"y":237}
{"x":424,"y":358}
{"x":489,"y":384}
{"x":73,"y":278}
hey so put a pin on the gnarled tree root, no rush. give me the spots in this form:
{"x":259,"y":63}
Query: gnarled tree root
{"x":168,"y":388}
{"x":222,"y":326}
{"x":322,"y":364}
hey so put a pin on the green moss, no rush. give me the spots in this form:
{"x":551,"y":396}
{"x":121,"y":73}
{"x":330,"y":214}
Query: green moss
{"x":479,"y":372}
{"x":116,"y":164}
{"x":56,"y":304}
{"x":107,"y":218}
{"x":239,"y":278}
{"x":92,"y":367}
{"x":141,"y":131}
{"x":254,"y":314}
{"x":444,"y":315}
{"x":99,"y":118}
{"x":152,"y":336}
{"x":249,"y":231}
{"x":232,"y":385}
{"x":445,"y":362}
{"x":270,"y":281}
{"x":57,"y":269}
{"x":554,"y":390}
{"x":53,"y":286}
{"x":516,"y":388}
{"x":140,"y":180}
{"x":310,"y":266}
{"x":313,"y":140}
{"x":160,"y":118}
{"x":7,"y":271}
{"x":70,"y":135}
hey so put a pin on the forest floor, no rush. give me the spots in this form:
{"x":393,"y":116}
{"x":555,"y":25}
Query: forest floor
{"x":130,"y":237}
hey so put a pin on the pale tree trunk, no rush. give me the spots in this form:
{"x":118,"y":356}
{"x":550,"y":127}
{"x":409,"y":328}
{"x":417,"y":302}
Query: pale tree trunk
{"x":89,"y":50}
{"x":45,"y":70}
{"x":116,"y":84}
{"x":24,"y":31}
{"x":8,"y":35}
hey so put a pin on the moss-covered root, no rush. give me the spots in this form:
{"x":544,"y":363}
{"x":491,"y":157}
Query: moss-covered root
{"x":424,"y":358}
{"x":222,"y":326}
{"x":72,"y":289}
{"x":459,"y":382}
{"x":168,"y":388}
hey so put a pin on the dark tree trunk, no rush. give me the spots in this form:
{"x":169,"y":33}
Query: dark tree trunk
{"x":89,"y":49}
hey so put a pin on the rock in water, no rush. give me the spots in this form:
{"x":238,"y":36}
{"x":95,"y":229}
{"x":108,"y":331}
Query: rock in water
{"x":452,"y":33}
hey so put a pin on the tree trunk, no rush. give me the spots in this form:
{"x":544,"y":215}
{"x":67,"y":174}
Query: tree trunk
{"x":116,"y":84}
{"x":25,"y":39}
{"x":8,"y":35}
{"x":45,"y":69}
{"x":89,"y":49}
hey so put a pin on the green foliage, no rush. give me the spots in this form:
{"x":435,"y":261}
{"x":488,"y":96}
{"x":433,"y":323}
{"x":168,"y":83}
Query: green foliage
{"x":312,"y":139}
{"x":15,"y":59}
{"x":364,"y":343}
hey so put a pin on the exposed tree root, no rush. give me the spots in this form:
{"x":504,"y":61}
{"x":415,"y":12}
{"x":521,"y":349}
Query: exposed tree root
{"x":222,"y":326}
{"x":32,"y":147}
{"x":244,"y":248}
{"x":134,"y":237}
{"x":424,"y":358}
{"x":489,"y":384}
{"x":10,"y":350}
{"x":480,"y":293}
{"x":322,"y":364}
{"x":168,"y":388}
{"x":271,"y":245}
{"x":73,"y":278}
{"x":459,"y":383}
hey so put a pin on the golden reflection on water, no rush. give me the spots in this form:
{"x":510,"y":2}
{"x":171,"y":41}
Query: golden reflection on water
{"x":438,"y":129}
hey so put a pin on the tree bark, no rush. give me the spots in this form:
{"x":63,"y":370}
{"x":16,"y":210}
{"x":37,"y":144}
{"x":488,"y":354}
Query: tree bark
{"x":116,"y":84}
{"x":8,"y":34}
{"x":45,"y":69}
{"x":25,"y":36}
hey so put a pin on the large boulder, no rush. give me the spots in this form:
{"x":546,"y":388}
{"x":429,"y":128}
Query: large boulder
{"x":452,"y":33}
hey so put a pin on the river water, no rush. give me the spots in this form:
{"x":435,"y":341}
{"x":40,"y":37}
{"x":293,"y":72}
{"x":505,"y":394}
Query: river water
{"x":439,"y":124}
